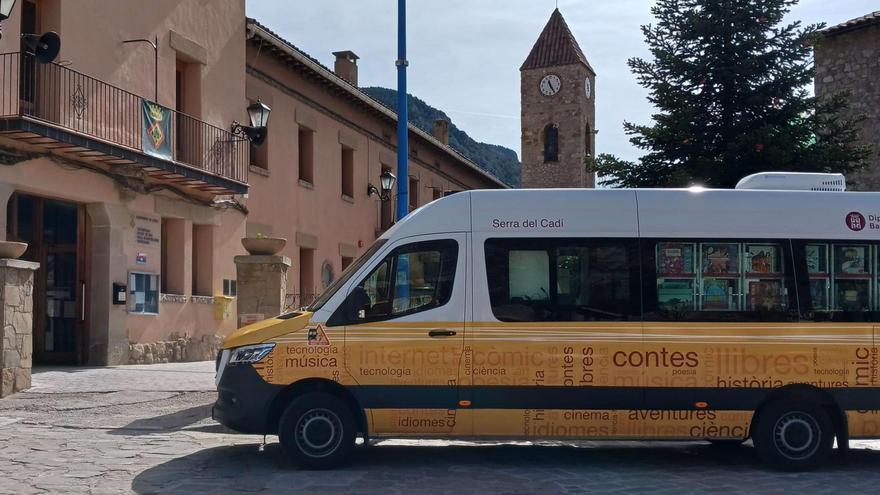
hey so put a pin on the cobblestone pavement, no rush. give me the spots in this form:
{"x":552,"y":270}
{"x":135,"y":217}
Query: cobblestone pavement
{"x":147,"y":429}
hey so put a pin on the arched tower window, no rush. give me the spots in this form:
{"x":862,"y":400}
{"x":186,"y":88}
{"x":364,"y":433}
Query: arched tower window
{"x":551,"y":143}
{"x":588,"y":140}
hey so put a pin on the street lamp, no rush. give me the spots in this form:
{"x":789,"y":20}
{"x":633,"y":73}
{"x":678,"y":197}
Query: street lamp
{"x":258,"y":113}
{"x":386,"y":182}
{"x":5,"y":10}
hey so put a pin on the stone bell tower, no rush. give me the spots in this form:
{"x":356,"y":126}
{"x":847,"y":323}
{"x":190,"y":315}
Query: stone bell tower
{"x":557,"y":94}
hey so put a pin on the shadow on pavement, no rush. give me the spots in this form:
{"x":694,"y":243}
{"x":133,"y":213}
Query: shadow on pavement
{"x":505,"y":468}
{"x":166,"y":423}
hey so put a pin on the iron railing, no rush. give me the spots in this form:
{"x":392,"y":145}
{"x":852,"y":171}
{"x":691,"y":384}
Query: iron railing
{"x":80,"y":103}
{"x":293,"y":302}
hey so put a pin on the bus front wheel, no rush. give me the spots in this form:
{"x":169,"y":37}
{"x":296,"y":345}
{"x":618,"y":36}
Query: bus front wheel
{"x":794,"y":435}
{"x":317,"y":431}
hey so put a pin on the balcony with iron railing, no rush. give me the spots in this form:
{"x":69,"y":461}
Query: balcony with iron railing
{"x":53,"y":107}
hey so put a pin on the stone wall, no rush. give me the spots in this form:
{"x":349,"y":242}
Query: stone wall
{"x":16,"y":347}
{"x":850,"y":62}
{"x":176,"y":349}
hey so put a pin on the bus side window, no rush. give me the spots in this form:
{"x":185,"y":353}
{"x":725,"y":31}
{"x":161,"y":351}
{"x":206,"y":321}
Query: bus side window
{"x":550,"y":279}
{"x":413,"y":278}
{"x":840,"y":280}
{"x":718,"y":280}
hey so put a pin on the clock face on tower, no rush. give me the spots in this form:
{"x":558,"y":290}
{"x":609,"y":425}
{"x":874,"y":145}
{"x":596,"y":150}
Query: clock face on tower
{"x":550,"y":84}
{"x":587,"y":88}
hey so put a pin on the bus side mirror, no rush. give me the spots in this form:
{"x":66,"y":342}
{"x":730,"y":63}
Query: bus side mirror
{"x":356,"y":303}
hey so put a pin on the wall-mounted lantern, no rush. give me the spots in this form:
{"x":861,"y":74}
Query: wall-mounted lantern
{"x":5,"y":11}
{"x":258,"y":113}
{"x":386,"y":182}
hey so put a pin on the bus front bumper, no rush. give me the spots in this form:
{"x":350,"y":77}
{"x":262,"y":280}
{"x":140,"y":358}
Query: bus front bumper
{"x":244,"y":400}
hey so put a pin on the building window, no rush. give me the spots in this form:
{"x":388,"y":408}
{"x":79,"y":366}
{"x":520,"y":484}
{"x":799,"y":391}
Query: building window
{"x":188,"y":104}
{"x":230,"y":287}
{"x":347,"y":172}
{"x":437,"y":193}
{"x":259,"y":155}
{"x":327,"y":275}
{"x":143,"y":293}
{"x":551,"y":143}
{"x":413,"y":193}
{"x":202,"y":260}
{"x":306,"y":138}
{"x":588,"y":141}
{"x":306,"y":276}
{"x":346,"y":262}
{"x":173,"y":255}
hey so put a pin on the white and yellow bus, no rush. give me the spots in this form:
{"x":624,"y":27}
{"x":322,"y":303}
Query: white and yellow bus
{"x":690,"y":314}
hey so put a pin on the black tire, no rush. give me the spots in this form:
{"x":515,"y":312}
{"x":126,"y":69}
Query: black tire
{"x":794,"y":435}
{"x":317,"y":431}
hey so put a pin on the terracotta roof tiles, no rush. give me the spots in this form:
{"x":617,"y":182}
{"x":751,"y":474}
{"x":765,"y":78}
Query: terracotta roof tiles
{"x":556,"y":46}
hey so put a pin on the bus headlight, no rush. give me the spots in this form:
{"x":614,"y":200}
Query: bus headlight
{"x":250,"y":354}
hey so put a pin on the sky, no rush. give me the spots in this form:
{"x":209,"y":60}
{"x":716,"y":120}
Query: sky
{"x":464,"y":55}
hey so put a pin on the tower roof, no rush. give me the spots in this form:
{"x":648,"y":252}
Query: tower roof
{"x":555,"y":46}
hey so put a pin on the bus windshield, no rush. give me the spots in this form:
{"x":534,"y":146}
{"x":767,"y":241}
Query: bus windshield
{"x":347,"y":274}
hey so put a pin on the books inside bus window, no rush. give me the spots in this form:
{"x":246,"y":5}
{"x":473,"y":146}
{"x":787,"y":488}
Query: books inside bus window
{"x":675,"y":295}
{"x":675,"y":259}
{"x":819,"y":289}
{"x":852,"y":295}
{"x":766,"y":295}
{"x":720,"y":260}
{"x":851,"y":260}
{"x":762,"y":259}
{"x":817,"y":258}
{"x":720,"y":294}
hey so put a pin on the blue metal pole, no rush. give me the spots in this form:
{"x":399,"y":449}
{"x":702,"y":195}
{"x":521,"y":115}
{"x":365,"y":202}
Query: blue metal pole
{"x":402,"y":115}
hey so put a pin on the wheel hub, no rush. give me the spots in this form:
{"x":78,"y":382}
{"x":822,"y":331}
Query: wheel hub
{"x":318,"y":432}
{"x":796,"y":435}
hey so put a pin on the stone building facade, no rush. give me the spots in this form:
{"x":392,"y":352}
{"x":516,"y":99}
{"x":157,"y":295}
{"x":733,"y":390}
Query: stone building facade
{"x":328,"y":142}
{"x":558,"y":110}
{"x":136,"y":242}
{"x":847,"y":59}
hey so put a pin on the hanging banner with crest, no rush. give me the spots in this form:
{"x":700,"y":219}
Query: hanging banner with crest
{"x":156,"y":130}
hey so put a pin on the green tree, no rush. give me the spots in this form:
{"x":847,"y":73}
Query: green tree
{"x":730,"y":83}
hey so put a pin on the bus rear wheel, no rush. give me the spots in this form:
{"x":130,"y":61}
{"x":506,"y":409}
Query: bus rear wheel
{"x":794,"y":435}
{"x":317,"y":431}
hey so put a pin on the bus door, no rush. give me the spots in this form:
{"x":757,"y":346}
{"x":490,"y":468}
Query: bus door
{"x":405,"y":343}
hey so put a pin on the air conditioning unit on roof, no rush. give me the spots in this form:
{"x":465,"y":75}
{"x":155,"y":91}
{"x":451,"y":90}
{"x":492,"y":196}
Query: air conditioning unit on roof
{"x":793,"y":181}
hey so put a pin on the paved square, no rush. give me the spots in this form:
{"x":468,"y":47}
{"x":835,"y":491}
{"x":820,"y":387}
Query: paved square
{"x":147,"y":429}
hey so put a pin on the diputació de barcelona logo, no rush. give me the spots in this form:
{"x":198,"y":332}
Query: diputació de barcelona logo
{"x":855,"y":221}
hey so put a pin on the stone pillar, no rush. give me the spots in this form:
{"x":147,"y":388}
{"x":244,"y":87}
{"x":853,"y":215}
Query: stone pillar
{"x":108,"y":333}
{"x":261,"y":285}
{"x":16,"y":348}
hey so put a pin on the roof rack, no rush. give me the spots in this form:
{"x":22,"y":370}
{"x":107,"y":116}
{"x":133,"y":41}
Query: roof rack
{"x":794,"y":181}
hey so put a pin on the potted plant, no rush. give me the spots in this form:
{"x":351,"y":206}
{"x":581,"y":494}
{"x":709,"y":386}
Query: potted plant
{"x":262,"y":245}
